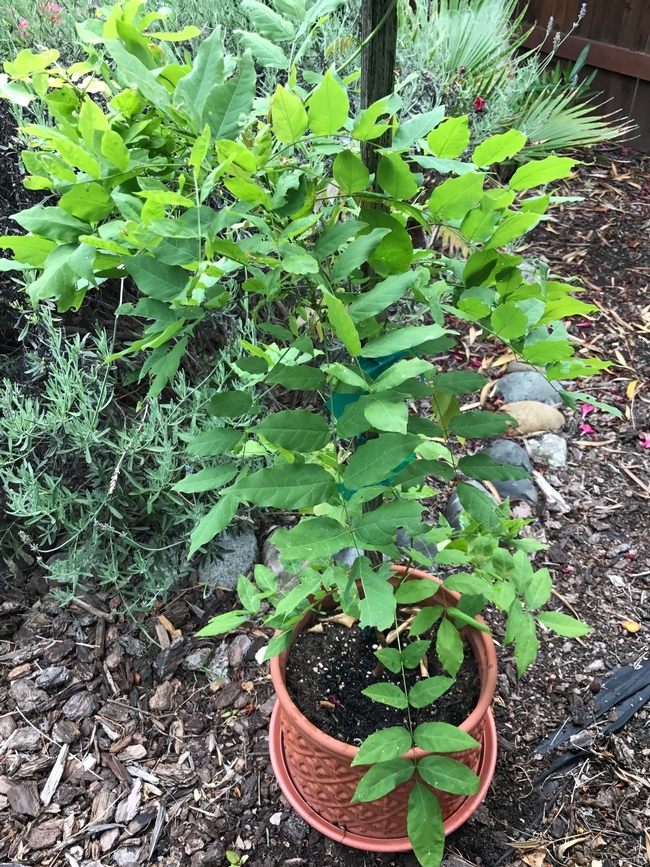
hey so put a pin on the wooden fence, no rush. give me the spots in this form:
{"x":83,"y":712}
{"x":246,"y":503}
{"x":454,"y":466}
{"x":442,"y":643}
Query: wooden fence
{"x":618,"y":33}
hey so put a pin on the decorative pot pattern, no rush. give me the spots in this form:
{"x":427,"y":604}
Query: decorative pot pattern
{"x":319,"y":765}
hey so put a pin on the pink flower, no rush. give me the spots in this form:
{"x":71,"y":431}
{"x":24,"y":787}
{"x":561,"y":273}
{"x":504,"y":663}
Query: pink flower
{"x":587,"y":429}
{"x":645,"y":440}
{"x":51,"y":10}
{"x":23,"y":24}
{"x":479,"y":103}
{"x":586,"y":409}
{"x":568,"y":569}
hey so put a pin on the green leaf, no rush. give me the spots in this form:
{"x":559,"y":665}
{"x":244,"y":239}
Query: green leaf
{"x":453,"y":198}
{"x":382,"y":746}
{"x":342,"y":324}
{"x":328,"y":106}
{"x":538,"y":591}
{"x":289,"y":486}
{"x":248,"y":593}
{"x":414,"y":652}
{"x":350,"y":173}
{"x":199,"y":152}
{"x":449,"y":647}
{"x":296,"y":430}
{"x":499,"y":148}
{"x":381,"y":296}
{"x":378,"y":526}
{"x":415,"y":590}
{"x":384,"y":415}
{"x":484,"y":467}
{"x":395,"y":177}
{"x":394,"y":254}
{"x":230,"y":404}
{"x":514,"y":226}
{"x":564,"y":625}
{"x":478,"y":505}
{"x":399,"y":373}
{"x":335,"y":236}
{"x":416,"y":128}
{"x":217,"y":441}
{"x":136,"y":75}
{"x":522,"y":572}
{"x":52,"y":223}
{"x":426,"y":831}
{"x":537,"y":172}
{"x":268,"y":22}
{"x":207,"y":72}
{"x":441,"y":737}
{"x":267,"y":53}
{"x":416,"y":472}
{"x":251,"y":193}
{"x":222,"y":624}
{"x":425,"y":619}
{"x":426,"y":691}
{"x":448,"y":775}
{"x":463,"y":582}
{"x":586,"y":398}
{"x":214,"y":522}
{"x":155,"y":279}
{"x":509,"y":321}
{"x":188,"y":32}
{"x":288,"y":116}
{"x":525,"y":638}
{"x":374,"y":461}
{"x":365,"y":127}
{"x":459,"y":382}
{"x":278,"y":644}
{"x":313,"y":539}
{"x":228,"y":106}
{"x":391,"y":658}
{"x":449,"y":139}
{"x":387,"y":693}
{"x":356,"y":253}
{"x":28,"y":249}
{"x":473,"y":425}
{"x":206,"y":480}
{"x":114,"y":149}
{"x":302,"y":377}
{"x":400,"y":339}
{"x":382,"y":779}
{"x":377,"y":608}
{"x":292,"y":9}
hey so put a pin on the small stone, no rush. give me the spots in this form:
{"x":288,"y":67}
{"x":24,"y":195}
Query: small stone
{"x":53,"y":676}
{"x":266,"y":709}
{"x":550,"y":450}
{"x":347,"y":556}
{"x":65,"y":732}
{"x":296,"y":829}
{"x":528,"y":385}
{"x":213,"y":856}
{"x":198,"y":658}
{"x":193,"y":842}
{"x":127,"y":855}
{"x":533,"y":417}
{"x":163,"y":697}
{"x":508,"y":452}
{"x":453,"y":509}
{"x":19,"y":671}
{"x":271,"y":559}
{"x":275,"y":819}
{"x":23,"y":739}
{"x":79,"y":706}
{"x":7,"y":726}
{"x":230,"y":555}
{"x":522,"y":367}
{"x":26,"y":695}
{"x":133,"y":753}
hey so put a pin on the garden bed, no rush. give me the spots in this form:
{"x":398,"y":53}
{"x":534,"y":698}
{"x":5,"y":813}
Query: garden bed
{"x":162,"y":737}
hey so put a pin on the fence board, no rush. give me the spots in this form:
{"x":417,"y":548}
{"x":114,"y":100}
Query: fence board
{"x":619,"y":33}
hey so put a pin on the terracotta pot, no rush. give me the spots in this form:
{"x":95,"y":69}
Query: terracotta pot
{"x":314,"y":770}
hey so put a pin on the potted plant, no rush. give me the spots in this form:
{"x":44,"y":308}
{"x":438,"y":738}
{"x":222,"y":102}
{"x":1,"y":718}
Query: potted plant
{"x":203,"y":192}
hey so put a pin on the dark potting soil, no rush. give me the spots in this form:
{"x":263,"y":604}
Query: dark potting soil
{"x":333,"y":666}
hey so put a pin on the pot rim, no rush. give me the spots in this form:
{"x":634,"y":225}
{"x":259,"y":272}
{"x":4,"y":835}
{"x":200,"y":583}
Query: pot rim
{"x":488,"y":674}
